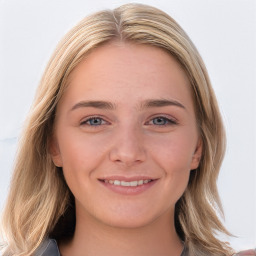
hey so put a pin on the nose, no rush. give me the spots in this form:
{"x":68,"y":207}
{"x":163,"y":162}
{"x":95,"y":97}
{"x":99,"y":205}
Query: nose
{"x":128,"y":147}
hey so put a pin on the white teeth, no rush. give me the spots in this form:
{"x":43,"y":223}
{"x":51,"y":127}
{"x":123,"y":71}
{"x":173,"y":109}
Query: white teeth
{"x":134,"y":183}
{"x":125,"y":183}
{"x":140,"y":182}
{"x":117,"y":182}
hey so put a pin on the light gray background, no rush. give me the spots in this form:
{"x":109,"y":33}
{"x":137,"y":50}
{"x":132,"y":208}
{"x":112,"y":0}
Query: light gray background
{"x":224,"y":32}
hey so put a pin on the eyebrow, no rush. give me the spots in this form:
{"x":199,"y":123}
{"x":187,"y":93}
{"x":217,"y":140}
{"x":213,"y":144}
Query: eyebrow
{"x":161,"y":103}
{"x":145,"y":104}
{"x":94,"y":104}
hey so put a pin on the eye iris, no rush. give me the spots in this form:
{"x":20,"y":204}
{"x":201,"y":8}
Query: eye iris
{"x":159,"y":121}
{"x":95,"y":121}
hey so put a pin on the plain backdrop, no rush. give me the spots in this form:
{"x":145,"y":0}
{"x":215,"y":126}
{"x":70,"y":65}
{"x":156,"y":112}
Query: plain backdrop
{"x":224,"y":32}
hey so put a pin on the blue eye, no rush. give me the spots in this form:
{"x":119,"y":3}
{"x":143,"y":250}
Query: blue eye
{"x":161,"y":121}
{"x":94,"y":121}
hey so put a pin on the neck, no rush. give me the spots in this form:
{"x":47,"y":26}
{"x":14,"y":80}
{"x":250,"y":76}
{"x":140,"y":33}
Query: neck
{"x":95,"y":238}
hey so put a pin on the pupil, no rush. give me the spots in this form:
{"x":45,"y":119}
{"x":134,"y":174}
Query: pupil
{"x":95,"y":121}
{"x":159,"y":121}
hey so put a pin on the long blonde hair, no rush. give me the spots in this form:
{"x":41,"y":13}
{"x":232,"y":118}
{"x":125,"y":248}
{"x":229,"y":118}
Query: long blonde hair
{"x":40,"y":204}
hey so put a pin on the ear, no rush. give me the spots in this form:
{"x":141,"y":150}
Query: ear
{"x":197,"y":155}
{"x":54,"y":151}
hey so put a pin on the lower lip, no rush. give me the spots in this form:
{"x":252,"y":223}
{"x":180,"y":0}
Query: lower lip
{"x":129,"y":190}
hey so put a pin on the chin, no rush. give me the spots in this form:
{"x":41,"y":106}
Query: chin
{"x":130,"y":219}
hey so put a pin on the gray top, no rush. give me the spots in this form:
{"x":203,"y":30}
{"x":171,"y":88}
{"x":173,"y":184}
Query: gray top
{"x":50,"y":248}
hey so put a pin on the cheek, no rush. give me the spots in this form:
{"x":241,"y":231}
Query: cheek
{"x":78,"y":148}
{"x":80,"y":158}
{"x":174,"y":152}
{"x":81,"y":154}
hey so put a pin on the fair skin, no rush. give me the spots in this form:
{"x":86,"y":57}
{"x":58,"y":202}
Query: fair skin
{"x":127,"y":117}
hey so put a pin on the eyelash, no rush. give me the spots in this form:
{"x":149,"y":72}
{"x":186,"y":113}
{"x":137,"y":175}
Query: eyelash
{"x":86,"y":122}
{"x":167,"y":121}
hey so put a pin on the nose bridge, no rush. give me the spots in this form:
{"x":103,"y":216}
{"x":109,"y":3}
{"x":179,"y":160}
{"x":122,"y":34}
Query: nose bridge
{"x":128,"y":147}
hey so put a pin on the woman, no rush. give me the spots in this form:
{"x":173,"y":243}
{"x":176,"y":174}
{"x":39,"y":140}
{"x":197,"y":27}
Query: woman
{"x":123,"y":145}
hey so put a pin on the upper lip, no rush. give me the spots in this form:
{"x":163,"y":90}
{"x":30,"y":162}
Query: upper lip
{"x":124,"y":178}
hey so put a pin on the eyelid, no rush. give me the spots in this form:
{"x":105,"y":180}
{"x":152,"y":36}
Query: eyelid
{"x":171,"y":120}
{"x":88,"y":118}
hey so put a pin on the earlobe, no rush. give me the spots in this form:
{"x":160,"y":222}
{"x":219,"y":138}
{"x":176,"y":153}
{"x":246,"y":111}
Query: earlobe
{"x":55,"y":152}
{"x":197,"y":155}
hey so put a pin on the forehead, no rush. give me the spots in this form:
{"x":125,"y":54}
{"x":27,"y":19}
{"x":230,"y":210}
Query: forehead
{"x":124,"y":71}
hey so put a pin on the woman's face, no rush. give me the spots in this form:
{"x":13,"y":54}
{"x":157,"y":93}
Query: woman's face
{"x":126,"y":135}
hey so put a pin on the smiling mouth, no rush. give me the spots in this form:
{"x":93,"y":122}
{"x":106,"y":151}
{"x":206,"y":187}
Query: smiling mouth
{"x":123,"y":183}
